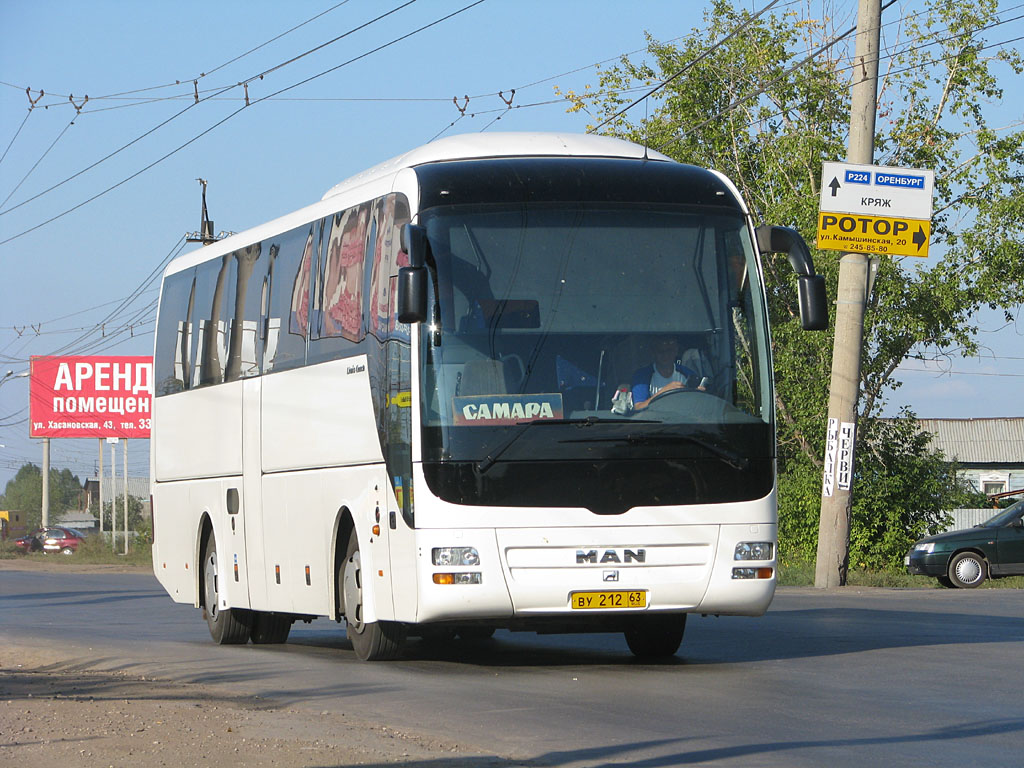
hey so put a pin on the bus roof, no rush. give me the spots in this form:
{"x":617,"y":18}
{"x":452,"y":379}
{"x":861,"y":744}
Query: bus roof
{"x":480,"y":145}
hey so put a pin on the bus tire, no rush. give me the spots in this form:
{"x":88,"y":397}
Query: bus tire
{"x":375,"y":640}
{"x":229,"y":626}
{"x":656,"y":636}
{"x":270,"y":628}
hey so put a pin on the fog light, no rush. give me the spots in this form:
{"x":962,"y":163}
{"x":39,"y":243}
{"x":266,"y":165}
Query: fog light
{"x":455,"y":556}
{"x":457,"y":578}
{"x":752,"y":573}
{"x":754,"y":550}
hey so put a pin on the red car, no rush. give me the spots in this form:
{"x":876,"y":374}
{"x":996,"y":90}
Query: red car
{"x":51,"y":539}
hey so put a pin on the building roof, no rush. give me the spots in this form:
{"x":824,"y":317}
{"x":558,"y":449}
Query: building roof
{"x":137,"y":486}
{"x":978,"y":441}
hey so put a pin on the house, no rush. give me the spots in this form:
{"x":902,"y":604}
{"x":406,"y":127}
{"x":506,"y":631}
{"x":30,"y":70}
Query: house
{"x":77,"y":519}
{"x":137,"y":487}
{"x":990,"y":453}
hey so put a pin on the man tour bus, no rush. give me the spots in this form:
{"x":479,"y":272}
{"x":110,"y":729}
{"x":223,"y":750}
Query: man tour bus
{"x":408,"y":405}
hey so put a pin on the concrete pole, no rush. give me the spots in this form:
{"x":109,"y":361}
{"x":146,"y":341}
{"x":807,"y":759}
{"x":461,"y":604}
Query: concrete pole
{"x":46,"y":482}
{"x":834,"y":525}
{"x":124,"y":458}
{"x":100,"y":441}
{"x":113,"y":497}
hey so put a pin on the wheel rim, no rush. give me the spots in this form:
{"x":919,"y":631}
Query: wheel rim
{"x":210,"y":580}
{"x":968,"y":570}
{"x":353,"y":592}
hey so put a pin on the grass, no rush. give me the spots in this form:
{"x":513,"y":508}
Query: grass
{"x":801,"y":574}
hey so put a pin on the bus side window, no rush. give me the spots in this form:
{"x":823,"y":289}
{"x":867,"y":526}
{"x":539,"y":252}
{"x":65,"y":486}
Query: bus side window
{"x":287,"y":326}
{"x":340,"y":290}
{"x":210,"y":318}
{"x":171,"y":363}
{"x":241,"y":360}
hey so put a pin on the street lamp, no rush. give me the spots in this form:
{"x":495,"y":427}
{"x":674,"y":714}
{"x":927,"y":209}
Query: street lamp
{"x":12,"y":375}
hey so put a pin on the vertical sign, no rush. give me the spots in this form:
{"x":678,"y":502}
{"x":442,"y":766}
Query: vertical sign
{"x":831,"y":449}
{"x":93,"y":396}
{"x":838,"y":472}
{"x":844,"y":459}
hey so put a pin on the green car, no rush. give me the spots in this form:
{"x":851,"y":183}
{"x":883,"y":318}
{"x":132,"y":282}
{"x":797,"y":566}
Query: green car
{"x":966,"y":558}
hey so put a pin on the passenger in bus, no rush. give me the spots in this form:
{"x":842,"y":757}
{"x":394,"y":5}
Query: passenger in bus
{"x":665,"y":374}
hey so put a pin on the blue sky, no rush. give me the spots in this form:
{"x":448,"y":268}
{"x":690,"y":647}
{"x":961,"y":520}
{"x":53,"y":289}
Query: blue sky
{"x":58,"y":281}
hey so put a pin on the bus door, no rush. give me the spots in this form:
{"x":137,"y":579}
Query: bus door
{"x":252,"y":492}
{"x":398,"y":421}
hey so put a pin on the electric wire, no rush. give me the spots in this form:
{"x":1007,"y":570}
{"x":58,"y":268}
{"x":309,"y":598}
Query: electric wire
{"x":233,"y":114}
{"x":175,"y":116}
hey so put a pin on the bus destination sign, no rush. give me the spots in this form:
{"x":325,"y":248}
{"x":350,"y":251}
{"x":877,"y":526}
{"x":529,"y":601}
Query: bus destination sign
{"x":875,"y":209}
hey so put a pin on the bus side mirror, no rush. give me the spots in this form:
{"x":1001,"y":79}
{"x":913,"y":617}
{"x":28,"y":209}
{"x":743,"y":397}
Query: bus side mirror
{"x":414,"y":243}
{"x":412,"y":280}
{"x":412,"y":294}
{"x":810,"y":287}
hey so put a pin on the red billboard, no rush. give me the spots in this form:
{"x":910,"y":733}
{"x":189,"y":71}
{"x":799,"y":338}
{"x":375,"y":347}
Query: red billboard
{"x":90,"y":396}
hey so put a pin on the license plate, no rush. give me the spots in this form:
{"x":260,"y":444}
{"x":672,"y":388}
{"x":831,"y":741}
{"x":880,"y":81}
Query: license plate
{"x":633,"y":598}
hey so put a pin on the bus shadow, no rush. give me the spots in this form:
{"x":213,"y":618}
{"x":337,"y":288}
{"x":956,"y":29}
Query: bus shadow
{"x":792,"y":634}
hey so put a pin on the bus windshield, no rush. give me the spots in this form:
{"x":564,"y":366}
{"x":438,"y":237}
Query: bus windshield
{"x":553,"y":324}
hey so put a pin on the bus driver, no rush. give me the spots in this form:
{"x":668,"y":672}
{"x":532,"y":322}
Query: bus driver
{"x":663,"y":375}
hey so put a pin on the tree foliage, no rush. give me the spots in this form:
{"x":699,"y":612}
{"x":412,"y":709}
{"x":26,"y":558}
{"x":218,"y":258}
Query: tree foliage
{"x":766,"y":106}
{"x":24,"y":492}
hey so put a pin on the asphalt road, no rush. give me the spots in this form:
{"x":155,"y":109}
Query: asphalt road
{"x":848,"y":677}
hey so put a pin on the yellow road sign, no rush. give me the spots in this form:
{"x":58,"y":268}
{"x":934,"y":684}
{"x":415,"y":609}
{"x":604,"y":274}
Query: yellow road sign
{"x":857,"y":233}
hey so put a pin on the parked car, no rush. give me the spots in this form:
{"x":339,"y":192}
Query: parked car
{"x":966,"y":558}
{"x":54,"y":538}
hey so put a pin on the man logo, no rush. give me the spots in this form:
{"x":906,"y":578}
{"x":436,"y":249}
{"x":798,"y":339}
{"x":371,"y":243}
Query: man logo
{"x":612,"y":556}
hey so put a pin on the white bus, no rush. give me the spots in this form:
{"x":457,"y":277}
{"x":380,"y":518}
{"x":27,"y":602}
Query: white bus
{"x":421,"y":406}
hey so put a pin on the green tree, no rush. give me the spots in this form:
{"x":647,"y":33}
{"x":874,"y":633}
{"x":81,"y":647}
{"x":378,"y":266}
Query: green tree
{"x":135,"y":518}
{"x":24,"y":492}
{"x":766,"y":106}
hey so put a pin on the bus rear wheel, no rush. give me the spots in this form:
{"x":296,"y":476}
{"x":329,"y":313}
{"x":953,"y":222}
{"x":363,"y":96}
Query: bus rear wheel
{"x":373,"y":640}
{"x":270,"y":628}
{"x":652,"y":637}
{"x":228,"y":626}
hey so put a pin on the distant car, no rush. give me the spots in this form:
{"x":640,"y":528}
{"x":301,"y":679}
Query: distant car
{"x":966,"y":558}
{"x":54,"y":538}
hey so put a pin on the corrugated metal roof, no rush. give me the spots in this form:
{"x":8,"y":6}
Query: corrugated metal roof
{"x":137,"y":486}
{"x":978,"y":441}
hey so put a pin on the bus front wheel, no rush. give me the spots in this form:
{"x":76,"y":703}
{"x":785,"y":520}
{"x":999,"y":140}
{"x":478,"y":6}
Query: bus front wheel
{"x":373,"y":640}
{"x":228,"y":626}
{"x":656,"y":636}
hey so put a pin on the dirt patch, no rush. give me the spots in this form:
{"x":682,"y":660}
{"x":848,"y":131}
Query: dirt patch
{"x":54,"y":717}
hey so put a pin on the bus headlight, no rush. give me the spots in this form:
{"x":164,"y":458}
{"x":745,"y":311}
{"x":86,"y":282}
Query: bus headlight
{"x":455,"y":556}
{"x":754,"y":550}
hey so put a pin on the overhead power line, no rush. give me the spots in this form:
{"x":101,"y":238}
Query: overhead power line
{"x":237,"y":111}
{"x":175,"y":116}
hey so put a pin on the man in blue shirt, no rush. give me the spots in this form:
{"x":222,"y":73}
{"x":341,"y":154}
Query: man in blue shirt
{"x":663,"y":375}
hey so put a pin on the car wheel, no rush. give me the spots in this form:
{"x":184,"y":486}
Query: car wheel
{"x":967,"y":570}
{"x":228,"y":626}
{"x":67,"y":551}
{"x":656,"y":636}
{"x":373,"y":640}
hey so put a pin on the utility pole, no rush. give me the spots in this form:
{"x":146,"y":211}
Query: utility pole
{"x":46,"y":482}
{"x":854,"y":273}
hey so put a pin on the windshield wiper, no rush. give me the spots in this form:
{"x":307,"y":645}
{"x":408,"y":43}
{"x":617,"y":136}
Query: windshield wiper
{"x":496,"y":451}
{"x":733,"y":459}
